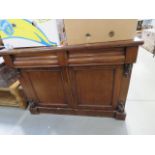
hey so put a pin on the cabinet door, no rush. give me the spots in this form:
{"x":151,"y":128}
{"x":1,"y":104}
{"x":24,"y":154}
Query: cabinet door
{"x":48,"y":86}
{"x":96,"y":87}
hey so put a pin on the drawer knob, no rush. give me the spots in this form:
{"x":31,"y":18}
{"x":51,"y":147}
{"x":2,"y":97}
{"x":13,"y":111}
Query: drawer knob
{"x":111,"y":34}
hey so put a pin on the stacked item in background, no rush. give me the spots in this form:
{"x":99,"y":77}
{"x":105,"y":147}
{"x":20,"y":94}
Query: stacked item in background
{"x":148,"y":36}
{"x":147,"y":33}
{"x":83,"y":31}
{"x":11,"y":93}
{"x":18,"y":33}
{"x":7,"y":75}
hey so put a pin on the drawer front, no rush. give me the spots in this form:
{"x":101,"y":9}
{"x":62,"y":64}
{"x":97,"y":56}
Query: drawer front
{"x":35,"y":60}
{"x":88,"y":57}
{"x":96,"y":57}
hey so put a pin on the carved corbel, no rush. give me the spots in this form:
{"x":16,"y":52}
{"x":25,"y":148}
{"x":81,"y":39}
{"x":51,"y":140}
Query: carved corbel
{"x":120,"y":107}
{"x":127,"y":69}
{"x":120,"y":111}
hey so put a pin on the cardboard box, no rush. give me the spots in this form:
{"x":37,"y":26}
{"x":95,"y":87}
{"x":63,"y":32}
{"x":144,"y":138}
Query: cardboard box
{"x":16,"y":33}
{"x":80,"y":31}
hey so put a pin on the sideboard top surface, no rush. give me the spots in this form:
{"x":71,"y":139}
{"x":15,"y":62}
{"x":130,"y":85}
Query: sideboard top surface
{"x":112,"y":44}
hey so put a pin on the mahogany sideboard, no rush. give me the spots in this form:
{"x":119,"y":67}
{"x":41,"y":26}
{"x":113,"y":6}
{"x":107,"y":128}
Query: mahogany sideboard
{"x":89,"y":79}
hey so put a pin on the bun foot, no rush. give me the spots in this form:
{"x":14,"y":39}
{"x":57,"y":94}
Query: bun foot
{"x":120,"y":111}
{"x":33,"y":109}
{"x":120,"y":116}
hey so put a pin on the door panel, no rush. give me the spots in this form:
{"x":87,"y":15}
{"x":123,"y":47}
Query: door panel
{"x":48,"y":87}
{"x":95,"y":87}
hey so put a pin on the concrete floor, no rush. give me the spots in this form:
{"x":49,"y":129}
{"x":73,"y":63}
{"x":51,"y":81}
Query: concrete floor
{"x":140,"y":111}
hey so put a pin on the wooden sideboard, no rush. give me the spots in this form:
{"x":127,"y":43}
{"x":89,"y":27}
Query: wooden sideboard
{"x":88,"y":79}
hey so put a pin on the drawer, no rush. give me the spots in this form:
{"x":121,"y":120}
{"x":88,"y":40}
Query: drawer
{"x":35,"y":60}
{"x":96,"y":57}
